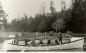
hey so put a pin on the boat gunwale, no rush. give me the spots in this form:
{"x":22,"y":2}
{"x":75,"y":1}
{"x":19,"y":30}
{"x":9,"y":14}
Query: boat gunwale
{"x":49,"y":46}
{"x":62,"y":43}
{"x":73,"y":41}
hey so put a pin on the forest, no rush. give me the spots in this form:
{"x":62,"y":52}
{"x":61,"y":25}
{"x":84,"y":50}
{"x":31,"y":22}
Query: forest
{"x":72,"y":19}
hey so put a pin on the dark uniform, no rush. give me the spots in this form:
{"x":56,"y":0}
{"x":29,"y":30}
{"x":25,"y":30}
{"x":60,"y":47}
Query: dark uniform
{"x":60,"y":38}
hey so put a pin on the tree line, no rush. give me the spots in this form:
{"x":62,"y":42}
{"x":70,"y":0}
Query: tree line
{"x":72,"y":19}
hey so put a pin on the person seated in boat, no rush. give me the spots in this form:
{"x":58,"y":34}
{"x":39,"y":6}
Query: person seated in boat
{"x":52,"y":41}
{"x":49,"y":42}
{"x":26,"y":41}
{"x":41,"y":43}
{"x":56,"y":42}
{"x":33,"y":43}
{"x":44,"y":42}
{"x":37,"y":42}
{"x":29,"y":43}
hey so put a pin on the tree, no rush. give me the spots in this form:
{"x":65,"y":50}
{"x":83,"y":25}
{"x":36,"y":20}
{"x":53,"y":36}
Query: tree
{"x":59,"y":22}
{"x":22,"y":24}
{"x":77,"y":22}
{"x":52,"y":8}
{"x":48,"y":19}
{"x":59,"y":25}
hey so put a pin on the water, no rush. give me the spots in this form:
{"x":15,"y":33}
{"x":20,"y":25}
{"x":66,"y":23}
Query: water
{"x":66,"y":50}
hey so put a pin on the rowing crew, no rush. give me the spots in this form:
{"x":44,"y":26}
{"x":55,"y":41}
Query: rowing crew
{"x":44,"y":42}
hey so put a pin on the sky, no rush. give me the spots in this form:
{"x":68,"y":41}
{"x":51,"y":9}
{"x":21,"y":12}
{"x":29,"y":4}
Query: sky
{"x":15,"y":8}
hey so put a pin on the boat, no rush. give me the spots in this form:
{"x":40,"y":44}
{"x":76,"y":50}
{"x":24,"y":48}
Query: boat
{"x":76,"y":42}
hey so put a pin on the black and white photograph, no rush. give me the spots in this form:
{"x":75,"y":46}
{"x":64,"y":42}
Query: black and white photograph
{"x":42,"y":25}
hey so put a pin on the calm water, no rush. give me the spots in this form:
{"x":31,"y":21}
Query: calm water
{"x":68,"y":50}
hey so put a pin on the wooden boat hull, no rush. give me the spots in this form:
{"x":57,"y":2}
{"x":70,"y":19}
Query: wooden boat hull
{"x":78,"y":43}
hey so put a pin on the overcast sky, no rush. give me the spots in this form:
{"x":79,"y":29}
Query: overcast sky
{"x":15,"y":8}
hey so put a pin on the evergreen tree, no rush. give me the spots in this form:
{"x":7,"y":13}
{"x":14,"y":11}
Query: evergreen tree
{"x":77,"y":21}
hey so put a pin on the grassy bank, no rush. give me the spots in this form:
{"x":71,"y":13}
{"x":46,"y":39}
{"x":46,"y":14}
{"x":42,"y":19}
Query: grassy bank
{"x":38,"y":35}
